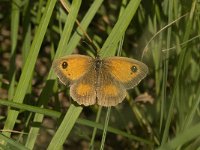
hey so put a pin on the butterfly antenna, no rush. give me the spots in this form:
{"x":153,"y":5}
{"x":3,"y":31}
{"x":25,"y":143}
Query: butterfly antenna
{"x":94,"y":45}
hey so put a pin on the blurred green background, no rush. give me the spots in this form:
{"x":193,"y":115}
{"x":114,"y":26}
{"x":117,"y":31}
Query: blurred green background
{"x":162,"y":112}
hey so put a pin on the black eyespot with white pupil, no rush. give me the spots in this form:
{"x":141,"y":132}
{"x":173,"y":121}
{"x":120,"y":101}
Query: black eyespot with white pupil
{"x":64,"y":65}
{"x":134,"y":69}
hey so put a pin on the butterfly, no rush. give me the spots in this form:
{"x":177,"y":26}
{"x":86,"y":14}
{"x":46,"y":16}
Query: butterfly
{"x":99,"y":81}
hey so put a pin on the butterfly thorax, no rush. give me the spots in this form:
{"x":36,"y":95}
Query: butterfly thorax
{"x":98,"y":68}
{"x":98,"y":64}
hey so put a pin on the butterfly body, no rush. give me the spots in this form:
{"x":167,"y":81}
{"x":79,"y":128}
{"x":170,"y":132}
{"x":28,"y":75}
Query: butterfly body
{"x":102,"y":81}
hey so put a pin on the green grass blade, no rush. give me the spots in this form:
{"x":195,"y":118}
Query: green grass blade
{"x":95,"y":128}
{"x":65,"y":127}
{"x":113,"y":130}
{"x":30,"y":108}
{"x":9,"y":144}
{"x":105,"y":128}
{"x":15,"y":14}
{"x":27,"y":31}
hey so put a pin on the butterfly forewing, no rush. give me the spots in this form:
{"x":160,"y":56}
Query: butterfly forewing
{"x":129,"y":72}
{"x":72,"y":67}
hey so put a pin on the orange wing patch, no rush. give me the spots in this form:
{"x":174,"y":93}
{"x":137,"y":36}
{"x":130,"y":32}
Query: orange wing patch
{"x":83,"y":89}
{"x":110,"y":95}
{"x":83,"y":93}
{"x":122,"y":70}
{"x":110,"y":90}
{"x":128,"y":72}
{"x":71,"y":67}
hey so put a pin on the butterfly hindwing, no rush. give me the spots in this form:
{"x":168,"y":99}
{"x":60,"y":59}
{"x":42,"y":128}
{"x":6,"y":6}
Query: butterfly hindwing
{"x":83,"y":91}
{"x":109,"y":91}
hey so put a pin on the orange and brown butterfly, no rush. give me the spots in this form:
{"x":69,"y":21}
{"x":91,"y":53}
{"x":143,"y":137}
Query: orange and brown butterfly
{"x":99,"y":81}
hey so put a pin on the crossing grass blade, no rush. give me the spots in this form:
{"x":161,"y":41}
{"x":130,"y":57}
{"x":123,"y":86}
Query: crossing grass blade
{"x":73,"y":111}
{"x":8,"y":143}
{"x":109,"y":46}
